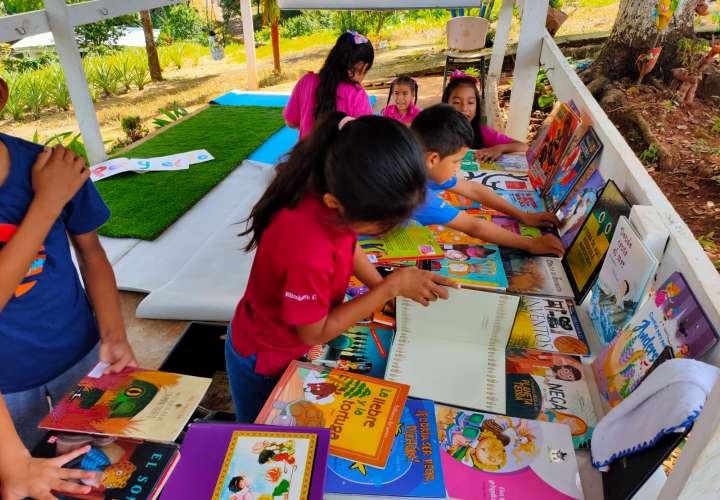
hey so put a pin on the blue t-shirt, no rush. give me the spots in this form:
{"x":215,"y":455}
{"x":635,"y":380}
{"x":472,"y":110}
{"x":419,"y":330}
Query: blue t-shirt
{"x":435,"y":210}
{"x":48,"y":324}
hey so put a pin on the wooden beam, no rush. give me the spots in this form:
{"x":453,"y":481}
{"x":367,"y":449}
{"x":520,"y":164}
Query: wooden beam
{"x":19,"y":26}
{"x":249,"y":40}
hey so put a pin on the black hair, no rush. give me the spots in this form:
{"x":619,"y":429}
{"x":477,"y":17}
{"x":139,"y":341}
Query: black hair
{"x":234,"y":484}
{"x":374,"y":166}
{"x":442,"y":130}
{"x":265,"y":456}
{"x":459,"y":81}
{"x":342,"y":58}
{"x":403,"y":80}
{"x":577,"y":374}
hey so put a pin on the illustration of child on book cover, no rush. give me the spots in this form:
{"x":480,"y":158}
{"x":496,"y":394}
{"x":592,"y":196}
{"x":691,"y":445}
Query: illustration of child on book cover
{"x":472,"y":265}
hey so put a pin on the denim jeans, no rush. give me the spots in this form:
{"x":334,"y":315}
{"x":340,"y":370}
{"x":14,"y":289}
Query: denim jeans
{"x":249,"y":390}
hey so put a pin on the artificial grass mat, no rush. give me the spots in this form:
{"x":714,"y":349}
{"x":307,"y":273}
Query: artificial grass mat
{"x":144,"y":205}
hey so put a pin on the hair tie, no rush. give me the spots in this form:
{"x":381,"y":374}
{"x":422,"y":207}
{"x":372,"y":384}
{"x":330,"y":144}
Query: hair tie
{"x":461,"y":74}
{"x":358,"y":38}
{"x":344,"y":122}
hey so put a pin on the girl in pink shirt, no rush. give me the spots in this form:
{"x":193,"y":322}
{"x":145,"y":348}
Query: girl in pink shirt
{"x":337,"y":86}
{"x":404,"y":94}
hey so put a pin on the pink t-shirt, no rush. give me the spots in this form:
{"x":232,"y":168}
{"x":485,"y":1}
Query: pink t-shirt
{"x":351,"y":99}
{"x":492,"y":137}
{"x":392,"y":111}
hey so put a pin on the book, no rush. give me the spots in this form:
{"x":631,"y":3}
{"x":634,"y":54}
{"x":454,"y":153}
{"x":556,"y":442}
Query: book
{"x":136,"y":403}
{"x":548,"y":324}
{"x":576,"y":207}
{"x":513,"y":225}
{"x":473,"y":266}
{"x":361,"y":412}
{"x":527,"y":201}
{"x":494,"y":456}
{"x":233,"y":461}
{"x":463,"y":339}
{"x":585,"y":254}
{"x":622,"y":282}
{"x":532,"y":275}
{"x":500,"y":180}
{"x":648,"y":222}
{"x":448,"y":235}
{"x":404,"y":243}
{"x":125,"y":468}
{"x":550,"y":387}
{"x":553,"y":145}
{"x":413,"y":469}
{"x":506,"y":162}
{"x":360,"y":349}
{"x":458,"y":200}
{"x":571,"y":169}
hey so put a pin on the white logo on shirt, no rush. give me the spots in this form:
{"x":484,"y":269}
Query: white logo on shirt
{"x":300,"y":298}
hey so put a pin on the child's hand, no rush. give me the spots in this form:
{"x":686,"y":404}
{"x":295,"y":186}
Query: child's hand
{"x":57,"y":175}
{"x":542,"y":219}
{"x":37,"y":478}
{"x":546,"y":244}
{"x":421,"y":286}
{"x":488,"y":154}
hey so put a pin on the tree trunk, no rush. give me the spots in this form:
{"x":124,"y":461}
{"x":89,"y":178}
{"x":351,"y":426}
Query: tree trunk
{"x":153,"y":60}
{"x":275,"y":35}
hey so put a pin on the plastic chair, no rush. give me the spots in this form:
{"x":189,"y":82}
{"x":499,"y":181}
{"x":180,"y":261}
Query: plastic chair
{"x":466,"y":45}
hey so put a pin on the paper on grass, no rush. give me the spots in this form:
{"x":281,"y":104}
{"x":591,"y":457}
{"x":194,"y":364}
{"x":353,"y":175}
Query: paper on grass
{"x":179,"y":161}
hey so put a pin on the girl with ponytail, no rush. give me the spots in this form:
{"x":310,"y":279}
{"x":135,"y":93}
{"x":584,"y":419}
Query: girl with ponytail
{"x":362,"y":176}
{"x":404,"y":95}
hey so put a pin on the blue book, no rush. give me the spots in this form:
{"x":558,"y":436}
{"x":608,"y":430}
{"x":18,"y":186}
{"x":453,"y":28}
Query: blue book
{"x":413,"y":469}
{"x":473,"y":266}
{"x":527,"y":201}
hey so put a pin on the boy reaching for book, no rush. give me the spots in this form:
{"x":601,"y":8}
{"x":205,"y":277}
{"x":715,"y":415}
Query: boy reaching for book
{"x":349,"y":177}
{"x":446,"y":135}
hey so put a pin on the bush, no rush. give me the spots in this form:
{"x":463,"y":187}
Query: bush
{"x":98,"y":37}
{"x":133,"y":128}
{"x":30,"y":63}
{"x":180,"y":22}
{"x":59,"y":93}
{"x":305,"y":24}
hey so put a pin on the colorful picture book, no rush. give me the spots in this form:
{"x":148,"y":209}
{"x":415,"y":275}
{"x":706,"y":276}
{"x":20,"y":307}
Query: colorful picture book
{"x":413,"y":469}
{"x":527,"y":201}
{"x":550,"y":387}
{"x":622,"y":283}
{"x":448,"y":235}
{"x":463,"y":339}
{"x":361,"y":412}
{"x":404,"y":243}
{"x":233,"y":462}
{"x":124,"y":468}
{"x":458,"y":200}
{"x":554,"y":143}
{"x":507,"y":162}
{"x":494,"y":456}
{"x":585,"y":254}
{"x":533,"y":275}
{"x":500,"y":180}
{"x":140,"y":404}
{"x":548,"y":324}
{"x":576,"y":207}
{"x":473,"y":266}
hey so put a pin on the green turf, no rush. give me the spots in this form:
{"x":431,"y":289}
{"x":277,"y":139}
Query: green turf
{"x":144,"y":205}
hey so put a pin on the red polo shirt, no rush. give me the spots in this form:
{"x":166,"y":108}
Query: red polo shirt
{"x":301,"y":270}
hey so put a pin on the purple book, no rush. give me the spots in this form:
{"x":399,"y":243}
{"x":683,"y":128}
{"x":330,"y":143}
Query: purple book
{"x":234,"y":461}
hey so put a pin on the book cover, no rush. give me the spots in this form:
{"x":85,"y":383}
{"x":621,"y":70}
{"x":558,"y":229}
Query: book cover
{"x":493,"y":456}
{"x":404,"y":243}
{"x":513,"y":225}
{"x":550,"y":387}
{"x":413,"y":469}
{"x":576,"y":207}
{"x":125,"y":468}
{"x":585,"y":254}
{"x":361,"y":412}
{"x":500,"y":180}
{"x":463,"y":339}
{"x":571,"y":170}
{"x":360,"y":349}
{"x":508,"y":162}
{"x":553,"y":146}
{"x":622,"y":283}
{"x":448,"y":235}
{"x":527,"y":201}
{"x":533,"y":275}
{"x":548,"y":324}
{"x":234,"y":461}
{"x":473,"y":266}
{"x":458,"y":200}
{"x":140,"y":404}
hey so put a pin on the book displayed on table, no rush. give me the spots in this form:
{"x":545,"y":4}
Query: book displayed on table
{"x":361,"y":412}
{"x":527,"y":201}
{"x":233,"y":461}
{"x":506,"y":162}
{"x":550,"y":387}
{"x":500,"y":180}
{"x":513,"y":225}
{"x":136,"y":403}
{"x":448,"y":235}
{"x":532,"y":275}
{"x":483,"y":454}
{"x":576,"y":207}
{"x":553,"y":145}
{"x":413,"y":468}
{"x":458,"y":200}
{"x":473,"y":266}
{"x":404,"y":243}
{"x":463,"y":338}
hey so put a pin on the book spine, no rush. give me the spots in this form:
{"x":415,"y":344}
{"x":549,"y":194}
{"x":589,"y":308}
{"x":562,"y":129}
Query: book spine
{"x":396,"y":357}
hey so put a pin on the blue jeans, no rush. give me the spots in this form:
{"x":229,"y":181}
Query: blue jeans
{"x":249,"y":390}
{"x":28,"y":408}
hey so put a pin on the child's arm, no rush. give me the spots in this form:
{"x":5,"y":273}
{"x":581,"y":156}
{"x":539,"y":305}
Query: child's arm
{"x":364,"y":270}
{"x":493,"y":152}
{"x":100,"y":283}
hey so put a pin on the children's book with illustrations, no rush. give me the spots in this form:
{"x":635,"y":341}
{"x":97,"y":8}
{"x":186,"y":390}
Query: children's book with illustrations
{"x":508,"y":162}
{"x":450,"y":236}
{"x":136,"y":403}
{"x":550,"y":387}
{"x":488,"y":456}
{"x":585,"y":254}
{"x":413,"y":469}
{"x":500,"y":180}
{"x":576,"y":207}
{"x":622,"y":283}
{"x":571,"y":170}
{"x":234,"y":462}
{"x":532,"y":275}
{"x":361,"y":412}
{"x":513,"y":225}
{"x":473,"y":266}
{"x":548,"y":324}
{"x":360,"y":349}
{"x":404,"y":243}
{"x":527,"y":201}
{"x":463,"y":339}
{"x":458,"y":200}
{"x":125,"y":468}
{"x":553,"y":146}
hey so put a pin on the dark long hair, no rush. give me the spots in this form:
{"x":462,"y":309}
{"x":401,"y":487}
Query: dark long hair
{"x":403,"y":80}
{"x":471,"y":82}
{"x":342,"y":58}
{"x":374,"y":166}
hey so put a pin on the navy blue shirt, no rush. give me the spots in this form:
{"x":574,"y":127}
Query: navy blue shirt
{"x":48,"y":324}
{"x":435,"y":210}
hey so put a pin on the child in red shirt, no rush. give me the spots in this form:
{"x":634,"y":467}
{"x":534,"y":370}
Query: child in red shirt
{"x":348,"y":177}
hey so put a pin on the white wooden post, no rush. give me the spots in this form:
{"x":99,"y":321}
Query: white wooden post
{"x":66,"y":46}
{"x":249,"y":39}
{"x":527,"y":64}
{"x":502,"y":33}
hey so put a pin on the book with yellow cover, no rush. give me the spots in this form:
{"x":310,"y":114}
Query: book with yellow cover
{"x":401,"y":244}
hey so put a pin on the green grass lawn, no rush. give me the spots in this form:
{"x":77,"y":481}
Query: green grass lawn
{"x":144,"y":205}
